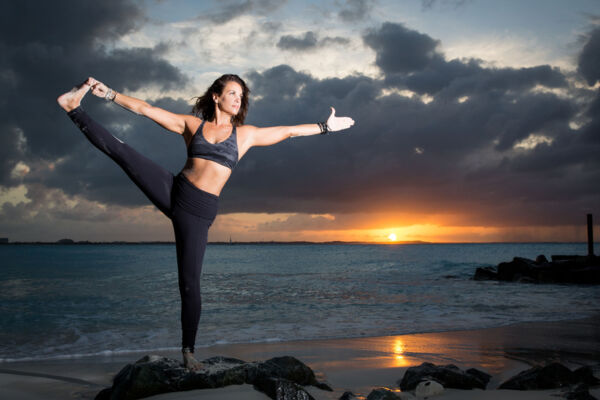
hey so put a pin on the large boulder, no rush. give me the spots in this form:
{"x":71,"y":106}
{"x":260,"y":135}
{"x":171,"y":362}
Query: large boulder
{"x":449,"y":376}
{"x":286,"y":368}
{"x":279,"y":378}
{"x":551,"y":376}
{"x":148,"y":376}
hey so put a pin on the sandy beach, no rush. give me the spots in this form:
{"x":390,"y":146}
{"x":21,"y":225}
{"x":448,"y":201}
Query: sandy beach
{"x":357,"y":364}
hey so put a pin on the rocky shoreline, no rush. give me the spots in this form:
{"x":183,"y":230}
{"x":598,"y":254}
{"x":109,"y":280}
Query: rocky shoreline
{"x":561,"y":269}
{"x":284,"y":378}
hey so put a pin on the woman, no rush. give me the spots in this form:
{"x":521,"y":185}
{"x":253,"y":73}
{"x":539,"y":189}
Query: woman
{"x":215,"y":143}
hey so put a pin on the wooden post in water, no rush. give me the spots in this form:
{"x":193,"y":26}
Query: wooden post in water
{"x":590,"y":226}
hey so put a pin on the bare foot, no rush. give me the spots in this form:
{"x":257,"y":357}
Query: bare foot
{"x":72,"y":99}
{"x":190,"y":362}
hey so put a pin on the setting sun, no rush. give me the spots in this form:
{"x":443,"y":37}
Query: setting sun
{"x":392,"y":237}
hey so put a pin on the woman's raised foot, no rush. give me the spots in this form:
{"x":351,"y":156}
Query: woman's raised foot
{"x":72,"y":99}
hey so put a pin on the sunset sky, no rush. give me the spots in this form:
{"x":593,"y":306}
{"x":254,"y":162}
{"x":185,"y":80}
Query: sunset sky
{"x":476,"y":120}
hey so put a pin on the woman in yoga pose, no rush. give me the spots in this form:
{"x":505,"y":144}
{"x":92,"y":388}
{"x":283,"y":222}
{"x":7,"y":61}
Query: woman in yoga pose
{"x":215,"y":143}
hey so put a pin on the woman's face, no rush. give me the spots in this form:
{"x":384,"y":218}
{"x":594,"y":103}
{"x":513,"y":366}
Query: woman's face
{"x":230,"y":100}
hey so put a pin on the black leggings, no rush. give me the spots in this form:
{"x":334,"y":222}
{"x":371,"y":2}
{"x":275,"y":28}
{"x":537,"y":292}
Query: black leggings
{"x":191,"y":210}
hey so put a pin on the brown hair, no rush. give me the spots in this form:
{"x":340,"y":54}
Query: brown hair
{"x":205,"y":104}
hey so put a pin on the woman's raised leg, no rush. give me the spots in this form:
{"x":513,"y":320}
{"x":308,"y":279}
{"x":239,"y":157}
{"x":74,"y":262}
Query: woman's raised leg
{"x":155,"y":181}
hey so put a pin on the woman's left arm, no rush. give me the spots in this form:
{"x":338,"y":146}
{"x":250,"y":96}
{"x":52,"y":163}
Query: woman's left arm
{"x":275,"y":134}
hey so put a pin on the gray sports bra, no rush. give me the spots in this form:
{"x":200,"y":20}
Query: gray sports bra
{"x":224,"y":153}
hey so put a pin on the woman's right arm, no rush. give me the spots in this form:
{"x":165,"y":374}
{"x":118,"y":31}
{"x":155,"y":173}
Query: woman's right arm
{"x":177,"y":123}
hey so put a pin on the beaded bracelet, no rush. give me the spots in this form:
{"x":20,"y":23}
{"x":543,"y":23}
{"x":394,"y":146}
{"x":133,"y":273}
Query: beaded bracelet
{"x":324,"y":128}
{"x":110,"y":95}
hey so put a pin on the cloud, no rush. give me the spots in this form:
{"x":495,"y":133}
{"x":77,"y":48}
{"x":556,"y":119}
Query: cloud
{"x":232,"y":9}
{"x":47,"y":51}
{"x":433,"y":136}
{"x":355,"y":10}
{"x":429,"y":4}
{"x":401,"y":50}
{"x":308,"y":41}
{"x":589,"y":59}
{"x":289,"y":42}
{"x":472,"y":127}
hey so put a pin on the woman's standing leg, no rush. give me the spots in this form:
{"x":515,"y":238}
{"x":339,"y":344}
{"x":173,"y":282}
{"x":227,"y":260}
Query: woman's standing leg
{"x":193,"y":213}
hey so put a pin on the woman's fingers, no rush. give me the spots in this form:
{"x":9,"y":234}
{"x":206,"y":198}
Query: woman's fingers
{"x":338,"y":123}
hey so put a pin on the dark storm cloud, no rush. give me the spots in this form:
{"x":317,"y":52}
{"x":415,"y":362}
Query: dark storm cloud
{"x":467,"y":76}
{"x":466,"y":134}
{"x":589,"y":59}
{"x":309,"y":41}
{"x":51,"y":46}
{"x":401,"y":50}
{"x":355,"y":10}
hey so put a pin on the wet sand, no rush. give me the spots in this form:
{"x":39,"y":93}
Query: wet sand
{"x":357,"y":365}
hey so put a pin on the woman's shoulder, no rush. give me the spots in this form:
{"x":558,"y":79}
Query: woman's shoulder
{"x":192,"y":123}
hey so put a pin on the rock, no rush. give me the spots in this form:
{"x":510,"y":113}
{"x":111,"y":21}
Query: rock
{"x":519,"y":266}
{"x":578,"y":392}
{"x":288,"y":368}
{"x":541,"y":259}
{"x":148,"y":376}
{"x":485,"y":274}
{"x":483,"y":376}
{"x":551,"y":376}
{"x":449,"y":376}
{"x":428,"y":389}
{"x":586,"y":375}
{"x":281,"y":389}
{"x":280,"y":378}
{"x":382,"y":394}
{"x":348,"y":396}
{"x":219,"y":372}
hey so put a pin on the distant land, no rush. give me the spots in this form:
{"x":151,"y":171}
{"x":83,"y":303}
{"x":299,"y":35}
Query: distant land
{"x":300,"y":242}
{"x":86,"y":242}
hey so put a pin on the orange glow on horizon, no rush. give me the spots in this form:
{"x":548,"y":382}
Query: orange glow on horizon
{"x":353,"y":228}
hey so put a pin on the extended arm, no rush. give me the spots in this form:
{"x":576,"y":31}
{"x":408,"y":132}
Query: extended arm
{"x":173,"y":122}
{"x":275,"y":134}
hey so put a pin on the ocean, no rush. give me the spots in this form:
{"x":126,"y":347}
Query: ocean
{"x":65,"y":301}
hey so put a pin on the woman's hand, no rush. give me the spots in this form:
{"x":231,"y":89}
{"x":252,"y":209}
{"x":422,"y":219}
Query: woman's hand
{"x":98,"y":88}
{"x":338,"y":123}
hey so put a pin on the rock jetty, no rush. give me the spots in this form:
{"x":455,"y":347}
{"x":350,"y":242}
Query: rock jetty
{"x":562,"y":269}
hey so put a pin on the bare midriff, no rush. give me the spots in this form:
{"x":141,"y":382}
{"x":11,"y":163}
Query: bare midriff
{"x":206,"y":175}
